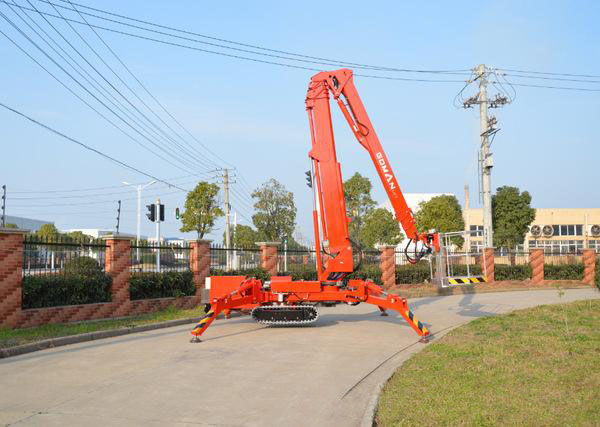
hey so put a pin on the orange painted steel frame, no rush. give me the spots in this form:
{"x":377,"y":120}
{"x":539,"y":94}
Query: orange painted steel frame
{"x":329,"y":191}
{"x":330,"y":207}
{"x":251,"y":293}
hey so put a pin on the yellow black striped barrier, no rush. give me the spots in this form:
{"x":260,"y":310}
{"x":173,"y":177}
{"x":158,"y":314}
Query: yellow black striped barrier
{"x":416,"y":322}
{"x":466,"y":280}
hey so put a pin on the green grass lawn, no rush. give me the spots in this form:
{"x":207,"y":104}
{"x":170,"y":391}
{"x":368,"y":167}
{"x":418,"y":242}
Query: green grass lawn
{"x":539,"y":366}
{"x":13,"y":337}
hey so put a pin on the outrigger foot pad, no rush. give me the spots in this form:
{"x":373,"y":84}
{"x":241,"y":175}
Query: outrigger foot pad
{"x":383,"y":313}
{"x":424,"y":340}
{"x":195,"y":340}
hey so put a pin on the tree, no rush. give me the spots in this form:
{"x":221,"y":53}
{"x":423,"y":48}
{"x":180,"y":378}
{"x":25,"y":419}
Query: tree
{"x":243,"y":236}
{"x":275,"y":215}
{"x":48,"y":232}
{"x":381,"y":227}
{"x":10,"y":225}
{"x":78,"y":236}
{"x":511,"y":216}
{"x":444,"y":214}
{"x":357,"y":192}
{"x":201,"y":209}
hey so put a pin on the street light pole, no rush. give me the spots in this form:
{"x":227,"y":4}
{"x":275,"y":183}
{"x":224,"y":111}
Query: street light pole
{"x":139,"y":189}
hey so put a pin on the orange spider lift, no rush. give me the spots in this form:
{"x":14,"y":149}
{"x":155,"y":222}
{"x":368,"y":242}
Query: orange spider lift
{"x":282,"y":301}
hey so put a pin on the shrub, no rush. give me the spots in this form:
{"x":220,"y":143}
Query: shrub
{"x":70,"y":289}
{"x":161,"y":285}
{"x":413,"y":273}
{"x":368,"y":272}
{"x":83,"y":266}
{"x":512,"y":272}
{"x":563,"y":272}
{"x":258,"y":273}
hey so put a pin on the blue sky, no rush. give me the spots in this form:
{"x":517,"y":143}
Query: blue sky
{"x":253,"y":114}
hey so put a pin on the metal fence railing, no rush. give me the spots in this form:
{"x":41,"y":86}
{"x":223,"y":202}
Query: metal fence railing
{"x":145,"y":258}
{"x":224,"y":259}
{"x":58,"y":255}
{"x":293,"y":261}
{"x":511,"y":258}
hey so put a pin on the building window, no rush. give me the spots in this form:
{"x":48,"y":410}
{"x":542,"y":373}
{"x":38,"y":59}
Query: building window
{"x":558,"y":246}
{"x":476,"y":230}
{"x":568,"y":230}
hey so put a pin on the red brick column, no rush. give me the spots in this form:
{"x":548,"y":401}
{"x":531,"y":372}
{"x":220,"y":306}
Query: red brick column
{"x":488,"y":270}
{"x":387,"y":264}
{"x":268,"y":256}
{"x":11,"y":276}
{"x":536,"y":260}
{"x":118,"y":264}
{"x":200,"y":263}
{"x":589,"y":266}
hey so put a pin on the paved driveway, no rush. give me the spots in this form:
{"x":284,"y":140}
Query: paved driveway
{"x":243,"y":374}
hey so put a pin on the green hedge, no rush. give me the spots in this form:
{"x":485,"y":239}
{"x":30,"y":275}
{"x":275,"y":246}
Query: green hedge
{"x":161,"y":285}
{"x":512,"y":272}
{"x":413,"y":274}
{"x":57,"y":290}
{"x":563,"y":272}
{"x":259,"y":273}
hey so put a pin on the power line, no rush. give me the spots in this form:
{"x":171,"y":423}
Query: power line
{"x":152,"y":128}
{"x":118,"y":58}
{"x":523,"y":76}
{"x":230,"y":55}
{"x":549,"y":73}
{"x":102,"y":188}
{"x":87,"y":147}
{"x":581,"y":89}
{"x":81,"y":99}
{"x":85,"y":89}
{"x":313,"y":59}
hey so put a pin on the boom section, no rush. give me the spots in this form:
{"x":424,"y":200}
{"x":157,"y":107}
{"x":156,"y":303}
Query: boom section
{"x":341,"y":86}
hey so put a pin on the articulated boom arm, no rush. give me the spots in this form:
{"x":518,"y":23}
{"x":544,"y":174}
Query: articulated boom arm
{"x":329,"y":189}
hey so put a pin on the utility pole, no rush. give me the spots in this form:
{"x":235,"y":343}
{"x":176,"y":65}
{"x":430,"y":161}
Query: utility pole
{"x":226,"y":183}
{"x":235,"y":257}
{"x":486,"y":160}
{"x":487,"y":128}
{"x":3,"y":206}
{"x":118,"y":217}
{"x":157,"y":216}
{"x":139,"y":189}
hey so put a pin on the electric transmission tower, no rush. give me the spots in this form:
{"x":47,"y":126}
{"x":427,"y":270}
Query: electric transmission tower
{"x":488,"y":129}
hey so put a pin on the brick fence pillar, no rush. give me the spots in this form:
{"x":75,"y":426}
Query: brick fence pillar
{"x":488,"y":259}
{"x":268,"y":256}
{"x":387,"y":264}
{"x":118,"y":266}
{"x":200,"y":263}
{"x":589,"y":266}
{"x":536,"y":260}
{"x":11,"y":276}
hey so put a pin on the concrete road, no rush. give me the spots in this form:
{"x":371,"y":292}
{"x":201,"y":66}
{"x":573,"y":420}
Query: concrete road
{"x":243,"y":374}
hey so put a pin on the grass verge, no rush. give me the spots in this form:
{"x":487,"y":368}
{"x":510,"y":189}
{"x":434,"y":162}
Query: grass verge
{"x":429,"y":289}
{"x":14,"y":337}
{"x":534,"y":367}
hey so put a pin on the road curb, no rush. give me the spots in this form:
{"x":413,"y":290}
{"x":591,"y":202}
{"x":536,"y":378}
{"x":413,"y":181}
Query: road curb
{"x":90,"y":336}
{"x":368,"y":419}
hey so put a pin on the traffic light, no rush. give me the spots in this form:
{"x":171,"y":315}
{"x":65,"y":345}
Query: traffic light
{"x":308,"y":179}
{"x":151,"y":212}
{"x":161,"y":216}
{"x":176,"y":213}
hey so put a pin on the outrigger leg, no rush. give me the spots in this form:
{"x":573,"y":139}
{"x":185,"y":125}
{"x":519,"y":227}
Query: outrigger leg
{"x":249,"y":292}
